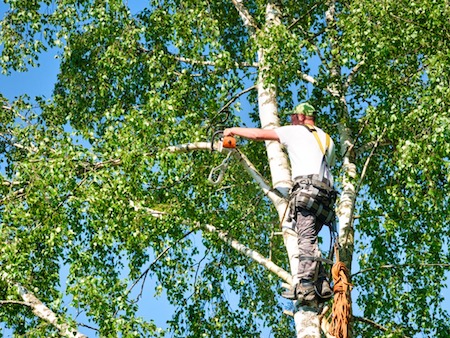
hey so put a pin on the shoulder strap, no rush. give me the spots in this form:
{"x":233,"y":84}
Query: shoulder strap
{"x":324,"y":164}
{"x":316,"y":135}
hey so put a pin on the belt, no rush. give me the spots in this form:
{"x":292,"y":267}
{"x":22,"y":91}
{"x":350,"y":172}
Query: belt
{"x":315,"y":180}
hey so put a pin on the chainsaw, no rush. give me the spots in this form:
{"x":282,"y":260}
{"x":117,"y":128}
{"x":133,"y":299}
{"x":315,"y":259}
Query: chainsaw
{"x":226,"y":142}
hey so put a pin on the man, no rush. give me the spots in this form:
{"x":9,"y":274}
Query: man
{"x":311,"y":153}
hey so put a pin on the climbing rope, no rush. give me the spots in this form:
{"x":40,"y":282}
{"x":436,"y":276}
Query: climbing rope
{"x":341,"y":310}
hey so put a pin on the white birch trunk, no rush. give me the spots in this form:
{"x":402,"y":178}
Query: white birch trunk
{"x":306,"y":319}
{"x":347,"y":199}
{"x":307,"y":323}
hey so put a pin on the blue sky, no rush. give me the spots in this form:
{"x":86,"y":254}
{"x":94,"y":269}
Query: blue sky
{"x":35,"y":82}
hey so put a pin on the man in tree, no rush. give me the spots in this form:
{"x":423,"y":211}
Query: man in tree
{"x":311,"y":153}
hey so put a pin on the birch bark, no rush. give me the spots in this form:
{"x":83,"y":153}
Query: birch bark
{"x":42,"y":311}
{"x":306,"y":318}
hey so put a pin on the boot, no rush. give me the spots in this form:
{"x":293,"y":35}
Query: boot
{"x":323,"y":289}
{"x":303,"y":292}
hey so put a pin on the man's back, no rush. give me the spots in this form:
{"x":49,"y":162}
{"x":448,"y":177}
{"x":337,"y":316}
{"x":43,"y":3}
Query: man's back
{"x":304,"y":150}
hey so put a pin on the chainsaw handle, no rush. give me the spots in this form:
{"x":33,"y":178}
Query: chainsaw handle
{"x":227,"y":141}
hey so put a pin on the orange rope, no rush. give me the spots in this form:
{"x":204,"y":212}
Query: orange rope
{"x":341,"y":310}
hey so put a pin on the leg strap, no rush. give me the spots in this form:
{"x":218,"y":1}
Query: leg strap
{"x":317,"y":259}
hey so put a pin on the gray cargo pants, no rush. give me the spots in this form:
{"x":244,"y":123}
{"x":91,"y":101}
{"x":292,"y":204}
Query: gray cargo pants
{"x":308,"y":228}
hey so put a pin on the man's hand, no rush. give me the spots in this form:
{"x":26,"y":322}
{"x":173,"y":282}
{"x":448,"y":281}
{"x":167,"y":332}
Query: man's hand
{"x":228,"y":132}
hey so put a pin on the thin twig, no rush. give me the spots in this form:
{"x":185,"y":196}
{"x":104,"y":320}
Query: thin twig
{"x":400,"y":266}
{"x":17,"y":302}
{"x":210,"y":63}
{"x":160,"y":255}
{"x":366,"y":122}
{"x":426,"y":29}
{"x":363,"y":173}
{"x":366,"y":164}
{"x":235,"y":97}
{"x":197,"y":271}
{"x":197,"y":62}
{"x":372,"y":323}
{"x":296,"y":21}
{"x":88,"y":327}
{"x":352,"y":75}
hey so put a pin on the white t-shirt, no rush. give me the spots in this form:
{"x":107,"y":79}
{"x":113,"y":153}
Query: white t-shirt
{"x":304,"y":151}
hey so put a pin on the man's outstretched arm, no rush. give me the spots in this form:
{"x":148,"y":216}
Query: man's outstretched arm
{"x":252,"y":133}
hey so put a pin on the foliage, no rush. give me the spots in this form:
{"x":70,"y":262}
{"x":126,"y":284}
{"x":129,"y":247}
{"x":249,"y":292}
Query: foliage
{"x":83,"y":172}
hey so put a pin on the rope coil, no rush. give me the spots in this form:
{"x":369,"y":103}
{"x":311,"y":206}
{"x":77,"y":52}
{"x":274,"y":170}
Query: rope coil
{"x":341,"y":310}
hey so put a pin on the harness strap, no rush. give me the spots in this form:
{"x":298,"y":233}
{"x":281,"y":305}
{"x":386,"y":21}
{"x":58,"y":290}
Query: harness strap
{"x":324,"y":164}
{"x":311,"y":204}
{"x":317,"y":259}
{"x":304,"y":181}
{"x":316,"y":135}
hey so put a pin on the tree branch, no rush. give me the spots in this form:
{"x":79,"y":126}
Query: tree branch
{"x":235,"y":97}
{"x":160,"y":255}
{"x":199,"y":62}
{"x":415,"y":23}
{"x":41,"y":310}
{"x":334,"y":67}
{"x":307,"y":14}
{"x":18,"y":302}
{"x":371,"y":144}
{"x":308,"y":37}
{"x":372,"y":323}
{"x":273,"y":194}
{"x":257,"y":257}
{"x":307,"y":78}
{"x":366,"y":164}
{"x":10,"y":183}
{"x":211,"y":63}
{"x":352,"y":75}
{"x":363,"y":174}
{"x":31,"y":149}
{"x":187,"y":147}
{"x":15,"y":194}
{"x":400,"y":266}
{"x":245,"y":15}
